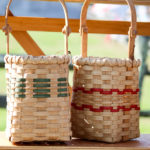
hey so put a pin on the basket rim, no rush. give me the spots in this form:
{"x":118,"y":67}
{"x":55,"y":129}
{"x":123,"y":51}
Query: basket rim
{"x":29,"y":59}
{"x":105,"y":61}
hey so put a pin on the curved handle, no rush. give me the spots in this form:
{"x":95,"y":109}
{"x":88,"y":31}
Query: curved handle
{"x":66,"y":30}
{"x":84,"y":30}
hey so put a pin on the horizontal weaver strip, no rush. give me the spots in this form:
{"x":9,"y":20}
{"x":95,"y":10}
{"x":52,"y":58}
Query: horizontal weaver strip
{"x":102,"y":91}
{"x":20,"y":95}
{"x":41,"y":80}
{"x":41,"y":90}
{"x":21,"y":80}
{"x":41,"y":95}
{"x":102,"y":108}
{"x":41,"y":85}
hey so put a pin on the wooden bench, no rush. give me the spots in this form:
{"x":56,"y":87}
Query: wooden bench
{"x":142,"y":143}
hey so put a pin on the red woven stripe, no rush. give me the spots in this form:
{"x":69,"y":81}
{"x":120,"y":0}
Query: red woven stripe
{"x":101,"y":91}
{"x":102,"y":108}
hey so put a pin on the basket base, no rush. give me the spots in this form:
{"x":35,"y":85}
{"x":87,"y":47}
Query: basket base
{"x":42,"y":143}
{"x":141,"y":143}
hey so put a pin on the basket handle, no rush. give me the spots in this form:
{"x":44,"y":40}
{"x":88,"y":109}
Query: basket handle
{"x":132,"y":30}
{"x":66,"y":30}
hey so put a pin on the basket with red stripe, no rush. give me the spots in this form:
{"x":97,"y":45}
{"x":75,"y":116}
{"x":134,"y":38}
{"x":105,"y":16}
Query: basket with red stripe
{"x":105,"y":102}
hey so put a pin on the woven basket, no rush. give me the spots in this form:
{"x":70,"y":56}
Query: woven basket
{"x":105,"y":102}
{"x":38,"y":106}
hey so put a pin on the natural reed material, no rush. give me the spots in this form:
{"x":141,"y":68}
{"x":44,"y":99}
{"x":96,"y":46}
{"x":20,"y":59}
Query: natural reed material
{"x":38,"y":106}
{"x":105,"y":102}
{"x":38,"y":98}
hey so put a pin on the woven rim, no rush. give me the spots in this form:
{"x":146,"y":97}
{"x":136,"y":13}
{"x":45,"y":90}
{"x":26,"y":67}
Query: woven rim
{"x":53,"y":59}
{"x":105,"y":61}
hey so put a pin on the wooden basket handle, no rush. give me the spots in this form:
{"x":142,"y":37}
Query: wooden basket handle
{"x":66,"y":30}
{"x":84,"y":30}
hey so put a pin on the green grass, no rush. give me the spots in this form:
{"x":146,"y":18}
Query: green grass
{"x":145,"y":103}
{"x":145,"y":125}
{"x":50,"y":45}
{"x":53,"y":43}
{"x":2,"y":119}
{"x":15,"y":48}
{"x":2,"y":82}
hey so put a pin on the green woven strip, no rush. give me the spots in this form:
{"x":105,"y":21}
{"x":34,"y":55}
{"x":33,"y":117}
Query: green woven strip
{"x":41,"y":80}
{"x":62,"y":84}
{"x":20,"y":85}
{"x":41,"y":85}
{"x":41,"y":95}
{"x":20,"y":96}
{"x":62,"y":79}
{"x":63,"y":95}
{"x":62,"y":90}
{"x":21,"y":80}
{"x":41,"y":90}
{"x":20,"y":90}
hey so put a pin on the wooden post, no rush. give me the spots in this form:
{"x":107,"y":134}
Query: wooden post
{"x":26,"y":41}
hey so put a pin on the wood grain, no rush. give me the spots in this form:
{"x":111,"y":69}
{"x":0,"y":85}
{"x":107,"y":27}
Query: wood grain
{"x":141,"y":143}
{"x":26,"y":41}
{"x":137,"y":2}
{"x":28,"y":44}
{"x":56,"y":25}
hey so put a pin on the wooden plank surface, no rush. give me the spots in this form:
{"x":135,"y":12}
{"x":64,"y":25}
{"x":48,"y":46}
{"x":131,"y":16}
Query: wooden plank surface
{"x":141,"y":143}
{"x":56,"y":25}
{"x":28,"y":44}
{"x":26,"y":41}
{"x":138,"y":2}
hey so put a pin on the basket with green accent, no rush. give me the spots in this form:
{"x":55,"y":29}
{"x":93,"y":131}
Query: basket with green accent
{"x":38,"y":97}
